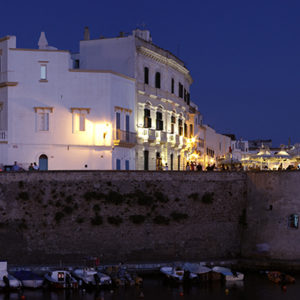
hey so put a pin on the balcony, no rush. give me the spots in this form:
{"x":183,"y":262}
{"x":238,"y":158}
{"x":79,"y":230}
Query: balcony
{"x":163,"y":137}
{"x":149,"y":90}
{"x":3,"y":136}
{"x":124,"y":138}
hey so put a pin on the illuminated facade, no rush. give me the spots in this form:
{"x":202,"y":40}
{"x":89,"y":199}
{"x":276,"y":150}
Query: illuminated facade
{"x":61,"y":117}
{"x":164,"y":119}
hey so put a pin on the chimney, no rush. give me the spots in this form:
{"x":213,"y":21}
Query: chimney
{"x":43,"y":43}
{"x":86,"y":36}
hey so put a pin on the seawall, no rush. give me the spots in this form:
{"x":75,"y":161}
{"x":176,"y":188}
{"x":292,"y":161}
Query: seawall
{"x":70,"y":216}
{"x":272,"y":197}
{"x":136,"y":216}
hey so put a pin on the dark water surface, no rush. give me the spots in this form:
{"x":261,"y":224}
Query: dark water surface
{"x":254,"y":287}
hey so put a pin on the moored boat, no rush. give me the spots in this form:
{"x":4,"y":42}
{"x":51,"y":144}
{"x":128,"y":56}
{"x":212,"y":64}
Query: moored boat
{"x":90,"y":277}
{"x":29,"y":279}
{"x":177,"y":274}
{"x":61,"y":279}
{"x":280,"y":278}
{"x":227,"y":274}
{"x":204,"y":273}
{"x":7,"y":281}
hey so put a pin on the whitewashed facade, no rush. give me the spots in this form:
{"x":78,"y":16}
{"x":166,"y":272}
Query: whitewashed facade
{"x":162,"y":94}
{"x":61,"y":117}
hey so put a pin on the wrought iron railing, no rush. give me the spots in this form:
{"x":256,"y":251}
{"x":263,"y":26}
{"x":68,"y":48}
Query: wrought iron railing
{"x":123,"y":136}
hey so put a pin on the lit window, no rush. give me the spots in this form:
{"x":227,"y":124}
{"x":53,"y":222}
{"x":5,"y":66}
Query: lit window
{"x":147,"y":118}
{"x":43,"y":118}
{"x":43,"y":72}
{"x":79,"y":119}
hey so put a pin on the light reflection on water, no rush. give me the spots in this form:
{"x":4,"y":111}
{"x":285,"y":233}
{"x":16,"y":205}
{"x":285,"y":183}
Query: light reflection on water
{"x":255,"y":287}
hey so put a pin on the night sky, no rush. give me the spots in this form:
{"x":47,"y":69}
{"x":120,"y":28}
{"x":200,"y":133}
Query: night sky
{"x":244,"y":56}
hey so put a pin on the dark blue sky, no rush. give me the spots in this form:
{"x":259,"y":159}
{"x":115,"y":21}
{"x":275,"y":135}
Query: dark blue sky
{"x":244,"y":56}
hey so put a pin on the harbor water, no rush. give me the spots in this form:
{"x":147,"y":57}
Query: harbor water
{"x":254,"y":287}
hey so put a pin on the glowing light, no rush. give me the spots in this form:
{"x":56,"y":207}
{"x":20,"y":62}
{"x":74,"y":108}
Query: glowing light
{"x":103,"y":134}
{"x":193,"y":140}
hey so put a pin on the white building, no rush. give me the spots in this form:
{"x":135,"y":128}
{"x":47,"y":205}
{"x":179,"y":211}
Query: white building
{"x":61,"y":117}
{"x":120,"y":103}
{"x":162,"y":94}
{"x":211,"y":145}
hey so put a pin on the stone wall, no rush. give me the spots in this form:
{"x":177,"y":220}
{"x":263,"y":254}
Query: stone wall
{"x":272,"y":198}
{"x":48,"y":217}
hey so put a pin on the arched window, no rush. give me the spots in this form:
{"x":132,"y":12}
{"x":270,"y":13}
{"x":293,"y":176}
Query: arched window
{"x":157,"y":80}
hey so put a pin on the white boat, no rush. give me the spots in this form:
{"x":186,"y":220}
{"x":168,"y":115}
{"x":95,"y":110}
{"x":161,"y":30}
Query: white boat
{"x":29,"y":279}
{"x":177,"y":274}
{"x":61,"y":279}
{"x":228,"y":274}
{"x":7,"y":281}
{"x":203,"y":272}
{"x":91,"y":277}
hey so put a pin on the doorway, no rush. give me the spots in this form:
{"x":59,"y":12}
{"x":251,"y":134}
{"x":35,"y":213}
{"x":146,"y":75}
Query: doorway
{"x":43,"y":162}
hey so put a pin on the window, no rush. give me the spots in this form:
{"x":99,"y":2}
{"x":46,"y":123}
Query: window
{"x":43,"y":118}
{"x":180,"y":128}
{"x":147,"y":118}
{"x":127,"y":165}
{"x":185,"y":130}
{"x":184,"y":95}
{"x":159,"y":121}
{"x":171,"y":161}
{"x":201,"y":143}
{"x":79,"y":119}
{"x":43,"y":72}
{"x":118,"y":164}
{"x":2,"y":134}
{"x":43,"y":121}
{"x":178,"y":162}
{"x":157,"y":80}
{"x":127,"y":122}
{"x":191,"y":130}
{"x":172,"y":86}
{"x":146,"y":75}
{"x":210,"y":152}
{"x":76,"y":64}
{"x":173,"y":121}
{"x":180,"y":90}
{"x":118,"y":120}
{"x":188,"y":98}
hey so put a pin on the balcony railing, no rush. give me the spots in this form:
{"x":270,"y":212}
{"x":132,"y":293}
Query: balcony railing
{"x":3,"y":136}
{"x":159,"y":93}
{"x":124,"y":138}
